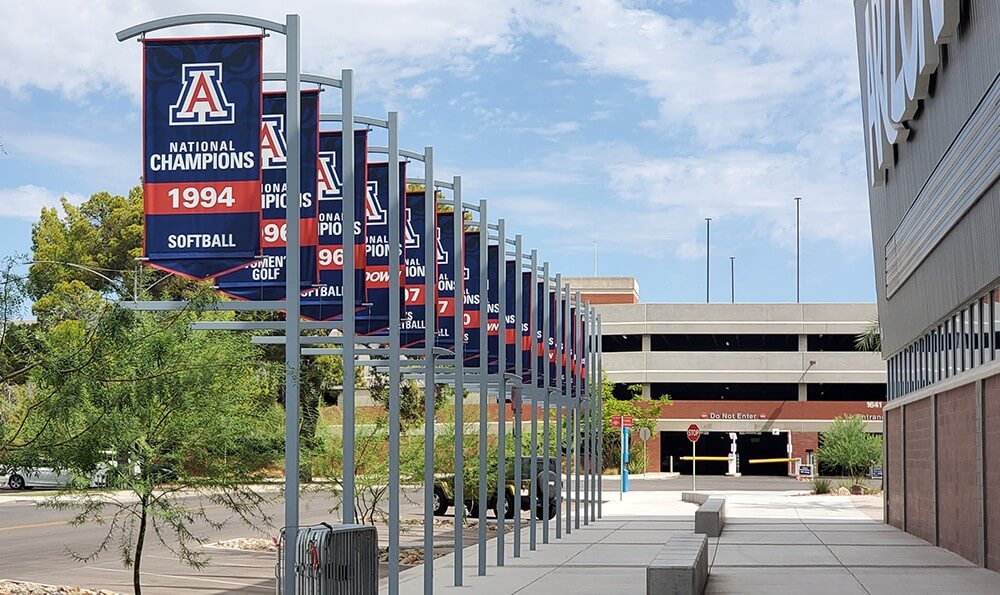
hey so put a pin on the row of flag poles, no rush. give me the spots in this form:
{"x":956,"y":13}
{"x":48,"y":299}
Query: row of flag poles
{"x":353,"y":255}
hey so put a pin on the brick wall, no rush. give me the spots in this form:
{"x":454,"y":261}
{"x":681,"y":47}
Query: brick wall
{"x":958,"y":472}
{"x":991,"y":444}
{"x":919,"y":481}
{"x":894,"y":466}
{"x":803,"y":441}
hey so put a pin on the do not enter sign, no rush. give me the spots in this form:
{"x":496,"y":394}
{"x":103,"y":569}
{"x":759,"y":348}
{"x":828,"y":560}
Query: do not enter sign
{"x":693,"y":432}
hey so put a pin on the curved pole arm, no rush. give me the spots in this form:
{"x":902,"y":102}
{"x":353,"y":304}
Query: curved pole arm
{"x":315,"y":79}
{"x":199,"y":19}
{"x":376,"y":122}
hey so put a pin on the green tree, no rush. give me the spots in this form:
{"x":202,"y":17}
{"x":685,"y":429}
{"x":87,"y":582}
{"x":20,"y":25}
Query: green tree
{"x":847,"y":445}
{"x":644,"y":415}
{"x":166,"y":397}
{"x":870,"y":339}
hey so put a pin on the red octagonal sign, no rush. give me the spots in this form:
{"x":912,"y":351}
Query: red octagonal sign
{"x":694,"y":432}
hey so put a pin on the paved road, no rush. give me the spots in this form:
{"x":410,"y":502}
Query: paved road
{"x":34,"y":541}
{"x":34,"y":544}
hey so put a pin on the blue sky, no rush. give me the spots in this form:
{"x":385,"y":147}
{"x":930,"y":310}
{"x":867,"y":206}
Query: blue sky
{"x":621,"y":122}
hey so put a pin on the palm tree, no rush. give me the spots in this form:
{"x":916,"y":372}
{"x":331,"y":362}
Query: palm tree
{"x":869,"y":339}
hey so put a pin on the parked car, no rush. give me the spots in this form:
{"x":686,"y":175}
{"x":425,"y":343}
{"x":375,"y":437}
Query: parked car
{"x":444,"y":492}
{"x":48,"y":477}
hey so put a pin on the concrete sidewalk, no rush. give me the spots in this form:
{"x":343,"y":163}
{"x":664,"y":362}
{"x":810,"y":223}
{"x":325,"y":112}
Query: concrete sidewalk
{"x":773,"y":543}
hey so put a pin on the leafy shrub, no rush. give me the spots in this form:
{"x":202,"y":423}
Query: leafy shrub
{"x":822,"y":486}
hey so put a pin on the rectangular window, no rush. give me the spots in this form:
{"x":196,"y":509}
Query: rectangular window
{"x":949,"y":364}
{"x":985,"y":329}
{"x":976,"y":357}
{"x":962,"y":338}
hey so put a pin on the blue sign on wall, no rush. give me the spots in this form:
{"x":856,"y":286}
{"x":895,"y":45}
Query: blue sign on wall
{"x":201,"y":153}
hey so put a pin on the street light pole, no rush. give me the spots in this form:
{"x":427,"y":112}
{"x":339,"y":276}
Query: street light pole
{"x":708,"y":249}
{"x":798,"y":202}
{"x":732,"y":277}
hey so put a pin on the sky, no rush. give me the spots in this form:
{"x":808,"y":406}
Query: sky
{"x":613,"y":125}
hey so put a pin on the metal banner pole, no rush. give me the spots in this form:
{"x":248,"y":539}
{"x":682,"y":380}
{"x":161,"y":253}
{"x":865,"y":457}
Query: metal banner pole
{"x":501,"y":391}
{"x":597,"y":436}
{"x":533,"y":360}
{"x":347,"y":395}
{"x":599,"y":391}
{"x":430,"y":326}
{"x":518,"y":361}
{"x":457,"y":253}
{"x":577,"y":426}
{"x":561,"y":450}
{"x":579,"y":351}
{"x":394,"y":347}
{"x":292,"y":251}
{"x":546,"y":400}
{"x":483,"y":384}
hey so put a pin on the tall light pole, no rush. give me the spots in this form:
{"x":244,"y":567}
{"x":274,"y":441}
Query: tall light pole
{"x":798,"y":296}
{"x":595,"y":258}
{"x":732,"y":277}
{"x":708,"y":248}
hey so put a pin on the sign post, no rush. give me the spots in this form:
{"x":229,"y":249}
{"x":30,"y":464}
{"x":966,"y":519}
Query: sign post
{"x":693,"y":433}
{"x":644,"y":436}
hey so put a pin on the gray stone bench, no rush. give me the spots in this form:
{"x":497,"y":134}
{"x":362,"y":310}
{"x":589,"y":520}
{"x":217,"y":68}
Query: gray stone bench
{"x":681,"y":567}
{"x":710,"y":517}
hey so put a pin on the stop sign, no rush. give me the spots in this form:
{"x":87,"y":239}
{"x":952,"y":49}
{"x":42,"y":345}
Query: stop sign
{"x":693,"y":432}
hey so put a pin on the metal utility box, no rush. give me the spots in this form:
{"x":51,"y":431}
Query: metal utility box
{"x":332,"y":560}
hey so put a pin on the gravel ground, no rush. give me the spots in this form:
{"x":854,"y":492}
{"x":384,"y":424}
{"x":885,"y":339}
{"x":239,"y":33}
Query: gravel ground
{"x":22,"y":588}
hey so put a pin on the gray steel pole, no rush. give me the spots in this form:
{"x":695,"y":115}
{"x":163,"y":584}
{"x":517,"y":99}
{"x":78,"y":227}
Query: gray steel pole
{"x":483,"y":384}
{"x":594,"y":388}
{"x":430,"y":321}
{"x":347,"y":395}
{"x":394,"y":347}
{"x":501,"y":392}
{"x":457,"y":253}
{"x":518,"y":360}
{"x":533,"y":360}
{"x":546,"y":400}
{"x":708,"y":260}
{"x":798,"y":202}
{"x":732,"y":278}
{"x":599,"y":390}
{"x":561,"y":451}
{"x":292,"y":335}
{"x":576,"y":423}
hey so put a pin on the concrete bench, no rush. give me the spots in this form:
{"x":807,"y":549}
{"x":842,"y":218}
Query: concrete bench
{"x":681,"y":567}
{"x":710,"y":517}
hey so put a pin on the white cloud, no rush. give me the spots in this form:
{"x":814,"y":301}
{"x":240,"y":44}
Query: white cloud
{"x":387,"y":43}
{"x":26,"y":202}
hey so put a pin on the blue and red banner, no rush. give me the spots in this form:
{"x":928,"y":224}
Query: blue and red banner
{"x":554,"y":368}
{"x":447,"y":283}
{"x":528,"y":307}
{"x":374,"y":318}
{"x":265,"y":278}
{"x":325,"y":301}
{"x":201,"y":154}
{"x":414,"y":321}
{"x":471,"y":305}
{"x":493,"y":309}
{"x":541,"y":350}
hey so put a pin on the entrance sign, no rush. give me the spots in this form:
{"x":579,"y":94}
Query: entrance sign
{"x":265,"y":278}
{"x":326,"y":300}
{"x":201,"y":154}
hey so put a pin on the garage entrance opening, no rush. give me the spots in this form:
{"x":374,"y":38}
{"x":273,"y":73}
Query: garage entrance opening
{"x":710,"y":444}
{"x":762,"y":446}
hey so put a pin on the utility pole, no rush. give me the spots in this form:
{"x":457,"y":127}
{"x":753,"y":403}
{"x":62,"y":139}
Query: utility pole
{"x":798,"y":251}
{"x":732,"y":277}
{"x":708,"y":248}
